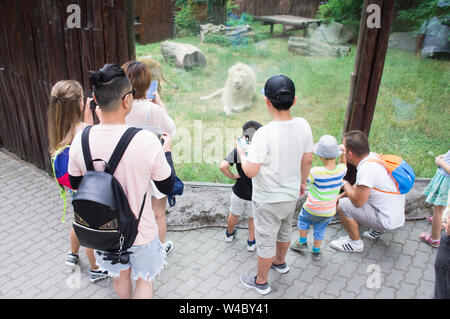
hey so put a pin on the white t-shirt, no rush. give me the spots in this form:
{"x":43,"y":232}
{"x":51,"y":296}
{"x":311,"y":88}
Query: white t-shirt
{"x":143,"y":160}
{"x":391,"y":206}
{"x":151,"y":117}
{"x":279,"y":146}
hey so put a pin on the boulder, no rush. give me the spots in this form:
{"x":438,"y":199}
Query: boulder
{"x":405,"y":41}
{"x":333,"y":33}
{"x":204,"y":205}
{"x":312,"y":47}
{"x":233,"y":32}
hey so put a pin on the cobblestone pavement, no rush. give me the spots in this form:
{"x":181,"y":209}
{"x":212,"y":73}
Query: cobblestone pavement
{"x":34,"y":244}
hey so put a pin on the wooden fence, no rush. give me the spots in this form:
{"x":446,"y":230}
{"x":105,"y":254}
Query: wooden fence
{"x":303,"y":8}
{"x":38,"y":49}
{"x":154,"y":20}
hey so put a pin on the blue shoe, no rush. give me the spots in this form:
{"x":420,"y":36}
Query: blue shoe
{"x":229,"y":237}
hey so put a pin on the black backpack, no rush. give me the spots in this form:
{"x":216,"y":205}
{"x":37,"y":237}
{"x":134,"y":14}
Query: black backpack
{"x":103,"y":219}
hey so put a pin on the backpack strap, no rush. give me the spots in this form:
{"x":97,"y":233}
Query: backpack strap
{"x":380,"y":161}
{"x":86,"y":150}
{"x":120,"y":149}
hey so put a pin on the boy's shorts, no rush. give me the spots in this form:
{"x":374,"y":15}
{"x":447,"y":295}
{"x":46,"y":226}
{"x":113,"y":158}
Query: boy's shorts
{"x":273,"y":223}
{"x":239,"y":205}
{"x":319,"y":223}
{"x":146,"y":261}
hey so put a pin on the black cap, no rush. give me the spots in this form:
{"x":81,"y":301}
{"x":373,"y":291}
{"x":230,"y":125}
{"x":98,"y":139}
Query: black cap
{"x":280,"y":90}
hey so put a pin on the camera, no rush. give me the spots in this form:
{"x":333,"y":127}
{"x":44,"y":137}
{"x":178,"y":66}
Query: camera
{"x":92,"y":105}
{"x":160,"y":138}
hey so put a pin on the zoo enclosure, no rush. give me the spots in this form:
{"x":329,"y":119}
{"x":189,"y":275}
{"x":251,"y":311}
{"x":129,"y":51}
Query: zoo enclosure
{"x":38,"y":49}
{"x":302,"y":8}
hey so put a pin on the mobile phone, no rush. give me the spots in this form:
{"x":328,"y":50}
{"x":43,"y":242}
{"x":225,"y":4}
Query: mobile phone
{"x":150,"y":94}
{"x":92,"y":105}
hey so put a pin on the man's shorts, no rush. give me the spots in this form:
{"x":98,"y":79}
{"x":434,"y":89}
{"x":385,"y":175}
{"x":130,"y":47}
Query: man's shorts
{"x":239,"y":205}
{"x":273,"y":223}
{"x":366,"y":215}
{"x":146,"y":261}
{"x":320,"y":224}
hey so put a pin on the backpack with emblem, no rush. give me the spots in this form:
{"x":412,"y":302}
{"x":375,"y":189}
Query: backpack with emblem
{"x":103,"y":218}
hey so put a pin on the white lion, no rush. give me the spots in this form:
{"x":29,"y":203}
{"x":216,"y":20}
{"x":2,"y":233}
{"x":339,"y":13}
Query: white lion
{"x":239,"y":90}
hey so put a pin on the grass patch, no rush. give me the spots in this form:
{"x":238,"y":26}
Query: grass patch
{"x":411,"y":117}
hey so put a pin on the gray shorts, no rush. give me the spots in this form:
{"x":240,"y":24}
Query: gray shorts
{"x":366,"y":215}
{"x":239,"y":206}
{"x":146,"y":261}
{"x":273,"y":223}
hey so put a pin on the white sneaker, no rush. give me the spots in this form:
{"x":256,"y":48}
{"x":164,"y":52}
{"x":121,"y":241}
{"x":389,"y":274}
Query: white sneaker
{"x":346,"y":244}
{"x":229,"y":237}
{"x":372,"y":234}
{"x":251,"y":246}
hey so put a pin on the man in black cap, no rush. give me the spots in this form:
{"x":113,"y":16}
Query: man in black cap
{"x":278,"y":161}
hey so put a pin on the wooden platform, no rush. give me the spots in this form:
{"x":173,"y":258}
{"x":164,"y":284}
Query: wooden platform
{"x":299,"y":23}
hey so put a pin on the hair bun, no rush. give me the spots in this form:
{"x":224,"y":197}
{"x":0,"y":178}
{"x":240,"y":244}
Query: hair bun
{"x":97,"y":77}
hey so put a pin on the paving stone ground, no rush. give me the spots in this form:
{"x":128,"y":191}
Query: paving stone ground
{"x":34,"y":244}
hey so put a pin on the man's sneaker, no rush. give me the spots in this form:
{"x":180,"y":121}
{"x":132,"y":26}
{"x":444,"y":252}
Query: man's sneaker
{"x":249,"y":281}
{"x":282,"y":269}
{"x":251,"y":245}
{"x":72,"y":259}
{"x":229,"y":237}
{"x":96,"y":275}
{"x":302,"y":248}
{"x":316,"y":255}
{"x":372,"y":234}
{"x":168,"y":246}
{"x":346,"y":244}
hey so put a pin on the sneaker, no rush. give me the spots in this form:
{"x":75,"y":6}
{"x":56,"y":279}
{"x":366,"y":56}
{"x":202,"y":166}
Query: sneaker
{"x":229,"y":237}
{"x":72,"y":259}
{"x":168,"y":246}
{"x":316,"y":255}
{"x":372,"y":234}
{"x":249,"y":281}
{"x":282,"y":269}
{"x":96,"y":275}
{"x":346,"y":244}
{"x":302,"y":248}
{"x":251,"y":245}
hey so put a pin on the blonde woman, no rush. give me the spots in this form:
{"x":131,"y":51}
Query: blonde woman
{"x":65,"y":114}
{"x":150,"y":115}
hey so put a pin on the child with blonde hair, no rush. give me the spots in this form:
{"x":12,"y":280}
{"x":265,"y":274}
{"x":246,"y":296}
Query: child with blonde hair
{"x":65,"y":118}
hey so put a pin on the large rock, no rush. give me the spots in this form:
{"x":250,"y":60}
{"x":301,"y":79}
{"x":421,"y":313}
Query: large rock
{"x":333,"y":34}
{"x":233,"y":32}
{"x":405,"y":41}
{"x":314,"y":48}
{"x":204,"y":205}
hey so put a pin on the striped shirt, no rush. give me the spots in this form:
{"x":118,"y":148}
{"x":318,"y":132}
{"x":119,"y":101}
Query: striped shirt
{"x":324,"y":188}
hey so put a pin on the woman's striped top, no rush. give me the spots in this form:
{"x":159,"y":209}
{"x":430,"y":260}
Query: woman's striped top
{"x":324,"y":188}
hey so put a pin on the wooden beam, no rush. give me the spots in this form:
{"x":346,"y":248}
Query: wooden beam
{"x":366,"y":77}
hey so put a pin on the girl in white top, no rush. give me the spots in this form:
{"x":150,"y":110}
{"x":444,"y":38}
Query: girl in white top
{"x":150,"y":115}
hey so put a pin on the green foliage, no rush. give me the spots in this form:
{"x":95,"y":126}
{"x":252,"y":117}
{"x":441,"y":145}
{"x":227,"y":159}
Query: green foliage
{"x":218,"y":39}
{"x":185,"y":19}
{"x":347,"y":12}
{"x":419,"y":12}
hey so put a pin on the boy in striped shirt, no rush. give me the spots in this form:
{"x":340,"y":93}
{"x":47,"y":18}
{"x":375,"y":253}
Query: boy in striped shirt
{"x":325,"y":184}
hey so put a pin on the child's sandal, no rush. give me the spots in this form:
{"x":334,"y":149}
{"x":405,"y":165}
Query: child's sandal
{"x":429,"y":219}
{"x":426,"y":238}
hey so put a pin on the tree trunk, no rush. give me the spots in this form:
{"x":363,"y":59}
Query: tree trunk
{"x":185,"y":56}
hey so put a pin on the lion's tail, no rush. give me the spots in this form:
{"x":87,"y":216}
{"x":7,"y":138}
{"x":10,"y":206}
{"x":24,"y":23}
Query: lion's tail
{"x":203,"y":98}
{"x":171,"y":83}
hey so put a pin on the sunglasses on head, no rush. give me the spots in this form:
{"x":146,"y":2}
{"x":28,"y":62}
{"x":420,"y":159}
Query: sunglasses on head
{"x":133,"y":91}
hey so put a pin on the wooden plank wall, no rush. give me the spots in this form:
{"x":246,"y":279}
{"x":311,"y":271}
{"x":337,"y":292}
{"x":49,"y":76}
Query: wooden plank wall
{"x":38,"y":49}
{"x":156,"y":20}
{"x":303,"y":8}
